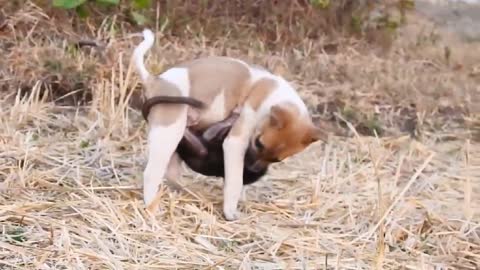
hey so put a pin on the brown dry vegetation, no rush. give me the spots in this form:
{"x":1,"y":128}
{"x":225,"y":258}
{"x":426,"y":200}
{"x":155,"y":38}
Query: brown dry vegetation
{"x":72,"y":150}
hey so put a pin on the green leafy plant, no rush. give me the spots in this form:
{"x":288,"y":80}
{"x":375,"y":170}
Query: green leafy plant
{"x":387,"y":22}
{"x":17,"y":235}
{"x":79,"y":5}
{"x":135,"y":8}
{"x":356,"y":24}
{"x":403,"y":7}
{"x":320,"y":3}
{"x":71,"y":4}
{"x":84,"y":144}
{"x":136,"y":13}
{"x":68,"y":4}
{"x":141,"y":4}
{"x":374,"y":126}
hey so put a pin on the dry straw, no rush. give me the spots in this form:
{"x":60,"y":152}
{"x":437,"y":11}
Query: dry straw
{"x":70,"y":176}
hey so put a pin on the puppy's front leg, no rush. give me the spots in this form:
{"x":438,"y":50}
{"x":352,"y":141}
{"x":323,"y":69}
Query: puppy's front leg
{"x":234,"y":148}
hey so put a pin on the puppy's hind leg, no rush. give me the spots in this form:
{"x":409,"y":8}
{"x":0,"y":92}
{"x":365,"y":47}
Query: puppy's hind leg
{"x":163,"y":139}
{"x":174,"y":173}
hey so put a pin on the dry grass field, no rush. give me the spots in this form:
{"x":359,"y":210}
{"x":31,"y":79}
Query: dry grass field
{"x":397,"y":186}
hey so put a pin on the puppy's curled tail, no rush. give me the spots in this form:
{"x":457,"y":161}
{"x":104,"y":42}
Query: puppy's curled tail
{"x":141,"y":50}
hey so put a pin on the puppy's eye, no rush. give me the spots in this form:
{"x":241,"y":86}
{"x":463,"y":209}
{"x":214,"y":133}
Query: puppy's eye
{"x":258,"y":143}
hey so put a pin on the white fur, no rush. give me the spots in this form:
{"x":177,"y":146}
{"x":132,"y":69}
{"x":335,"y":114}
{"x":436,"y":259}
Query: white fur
{"x":216,"y":110}
{"x":141,"y":50}
{"x":178,"y":77}
{"x":162,"y":142}
{"x":283,"y":93}
{"x":234,"y":148}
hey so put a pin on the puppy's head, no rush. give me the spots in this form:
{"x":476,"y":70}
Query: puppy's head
{"x":283,"y":133}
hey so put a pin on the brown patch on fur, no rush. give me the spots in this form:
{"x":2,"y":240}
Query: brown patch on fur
{"x":156,"y":86}
{"x":260,"y":90}
{"x":285,"y":133}
{"x":162,"y":114}
{"x":211,"y":76}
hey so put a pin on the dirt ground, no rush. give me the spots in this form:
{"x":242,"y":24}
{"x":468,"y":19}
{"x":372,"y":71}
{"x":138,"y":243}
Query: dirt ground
{"x":396,"y":186}
{"x":460,"y":17}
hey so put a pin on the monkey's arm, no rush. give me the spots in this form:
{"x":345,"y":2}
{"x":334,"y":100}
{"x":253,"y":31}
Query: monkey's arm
{"x":216,"y":133}
{"x":219,"y":131}
{"x":193,"y":144}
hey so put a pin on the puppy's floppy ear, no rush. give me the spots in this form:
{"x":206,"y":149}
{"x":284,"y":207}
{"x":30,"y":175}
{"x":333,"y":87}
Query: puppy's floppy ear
{"x":278,"y":116}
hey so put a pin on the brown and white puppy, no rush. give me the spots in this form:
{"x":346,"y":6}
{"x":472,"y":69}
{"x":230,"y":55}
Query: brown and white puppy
{"x":273,"y":120}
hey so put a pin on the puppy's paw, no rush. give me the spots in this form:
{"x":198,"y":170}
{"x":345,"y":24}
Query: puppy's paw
{"x":151,"y":184}
{"x":149,"y":194}
{"x":152,"y":208}
{"x":231,"y":214}
{"x":152,"y":205}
